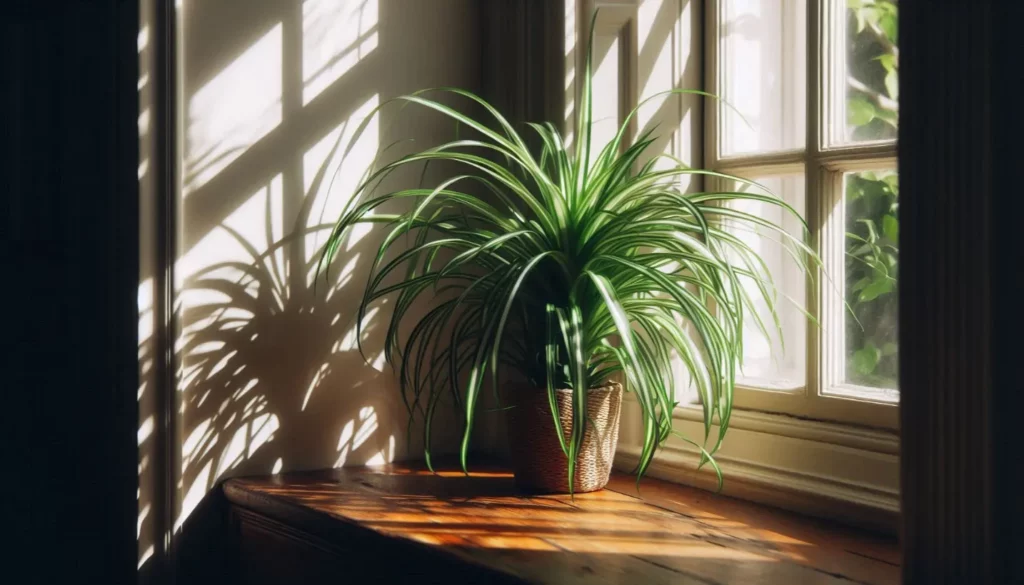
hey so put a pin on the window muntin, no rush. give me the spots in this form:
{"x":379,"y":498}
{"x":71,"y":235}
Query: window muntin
{"x":848,"y":158}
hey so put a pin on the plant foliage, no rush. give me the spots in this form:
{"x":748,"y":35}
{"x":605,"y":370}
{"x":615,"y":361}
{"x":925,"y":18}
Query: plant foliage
{"x":872,"y":198}
{"x":568,"y":264}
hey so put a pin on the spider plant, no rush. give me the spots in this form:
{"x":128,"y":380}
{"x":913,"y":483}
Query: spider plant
{"x":568,"y":263}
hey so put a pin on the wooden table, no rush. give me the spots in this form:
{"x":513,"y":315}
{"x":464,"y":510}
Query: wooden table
{"x":402,"y":524}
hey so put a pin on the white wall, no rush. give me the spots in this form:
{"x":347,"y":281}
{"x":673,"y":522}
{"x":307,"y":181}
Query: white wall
{"x":271,"y":93}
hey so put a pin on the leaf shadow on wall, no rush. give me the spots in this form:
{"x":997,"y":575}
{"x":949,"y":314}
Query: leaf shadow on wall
{"x":268,"y":374}
{"x":264,"y":355}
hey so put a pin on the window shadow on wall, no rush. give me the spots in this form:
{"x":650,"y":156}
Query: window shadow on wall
{"x":269,"y":375}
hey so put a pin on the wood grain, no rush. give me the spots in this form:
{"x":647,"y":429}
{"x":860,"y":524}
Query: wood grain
{"x":400,"y":521}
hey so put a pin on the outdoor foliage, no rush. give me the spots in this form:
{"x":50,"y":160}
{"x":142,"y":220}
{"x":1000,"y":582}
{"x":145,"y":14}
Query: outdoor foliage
{"x":872,"y":198}
{"x":567,"y":264}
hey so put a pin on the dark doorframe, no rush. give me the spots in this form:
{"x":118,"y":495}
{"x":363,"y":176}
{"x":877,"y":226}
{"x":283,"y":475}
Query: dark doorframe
{"x":960,"y":321}
{"x":71,"y":256}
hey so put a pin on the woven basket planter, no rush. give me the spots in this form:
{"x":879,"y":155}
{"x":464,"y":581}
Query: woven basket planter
{"x":537,"y":458}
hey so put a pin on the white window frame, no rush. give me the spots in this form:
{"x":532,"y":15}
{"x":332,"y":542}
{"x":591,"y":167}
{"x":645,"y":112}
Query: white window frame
{"x":825,"y":396}
{"x":830,"y":457}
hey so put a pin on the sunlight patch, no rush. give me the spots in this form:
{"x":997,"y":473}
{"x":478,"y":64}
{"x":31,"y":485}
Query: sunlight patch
{"x":145,"y":556}
{"x":386,"y":456}
{"x":330,"y":176}
{"x":263,"y":428}
{"x":313,"y":384}
{"x":146,"y":429}
{"x":344,"y":443}
{"x":194,"y":495}
{"x":194,"y":438}
{"x":368,"y":425}
{"x":233,"y":111}
{"x":142,"y":518}
{"x":336,"y":34}
{"x":232,"y":454}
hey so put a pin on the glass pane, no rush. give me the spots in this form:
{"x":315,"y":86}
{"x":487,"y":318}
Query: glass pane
{"x":763,"y":71}
{"x":872,"y":70}
{"x":872,"y":276}
{"x":772,"y":361}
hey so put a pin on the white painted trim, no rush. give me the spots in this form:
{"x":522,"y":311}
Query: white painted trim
{"x":822,"y":469}
{"x":824,"y":160}
{"x":825,"y":469}
{"x":866,"y":439}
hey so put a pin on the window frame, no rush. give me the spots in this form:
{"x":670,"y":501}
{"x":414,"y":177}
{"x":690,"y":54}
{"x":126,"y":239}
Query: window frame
{"x":778,"y":455}
{"x":824,"y":396}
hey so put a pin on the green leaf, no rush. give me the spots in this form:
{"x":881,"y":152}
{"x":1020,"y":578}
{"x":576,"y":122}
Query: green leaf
{"x":888,"y":62}
{"x":871,"y":227}
{"x":862,"y":250}
{"x":856,"y":6}
{"x":887,"y":22}
{"x":892,"y":84}
{"x":893,"y":180}
{"x":891,"y":228}
{"x":890,"y":117}
{"x":859,"y":111}
{"x":865,"y":359}
{"x":877,"y":288}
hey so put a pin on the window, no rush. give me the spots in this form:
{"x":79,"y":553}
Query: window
{"x":809,"y":111}
{"x":813,"y":84}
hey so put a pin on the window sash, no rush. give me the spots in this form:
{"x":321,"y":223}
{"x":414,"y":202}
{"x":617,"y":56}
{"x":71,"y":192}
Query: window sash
{"x":824,"y":161}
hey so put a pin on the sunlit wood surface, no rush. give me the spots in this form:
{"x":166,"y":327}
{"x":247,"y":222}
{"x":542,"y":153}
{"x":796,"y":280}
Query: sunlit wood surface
{"x":664,"y":534}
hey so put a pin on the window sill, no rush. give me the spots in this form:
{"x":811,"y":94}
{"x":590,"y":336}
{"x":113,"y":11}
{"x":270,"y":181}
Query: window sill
{"x":840,"y":472}
{"x":322,"y":526}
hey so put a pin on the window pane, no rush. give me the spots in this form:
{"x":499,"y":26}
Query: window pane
{"x":872,"y":275}
{"x":771,"y":361}
{"x":872,"y":70}
{"x":763,"y":69}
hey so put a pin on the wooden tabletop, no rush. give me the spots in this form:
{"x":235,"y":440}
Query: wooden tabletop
{"x":664,"y":534}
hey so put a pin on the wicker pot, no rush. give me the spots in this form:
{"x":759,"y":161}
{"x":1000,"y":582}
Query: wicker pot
{"x":537,"y":458}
